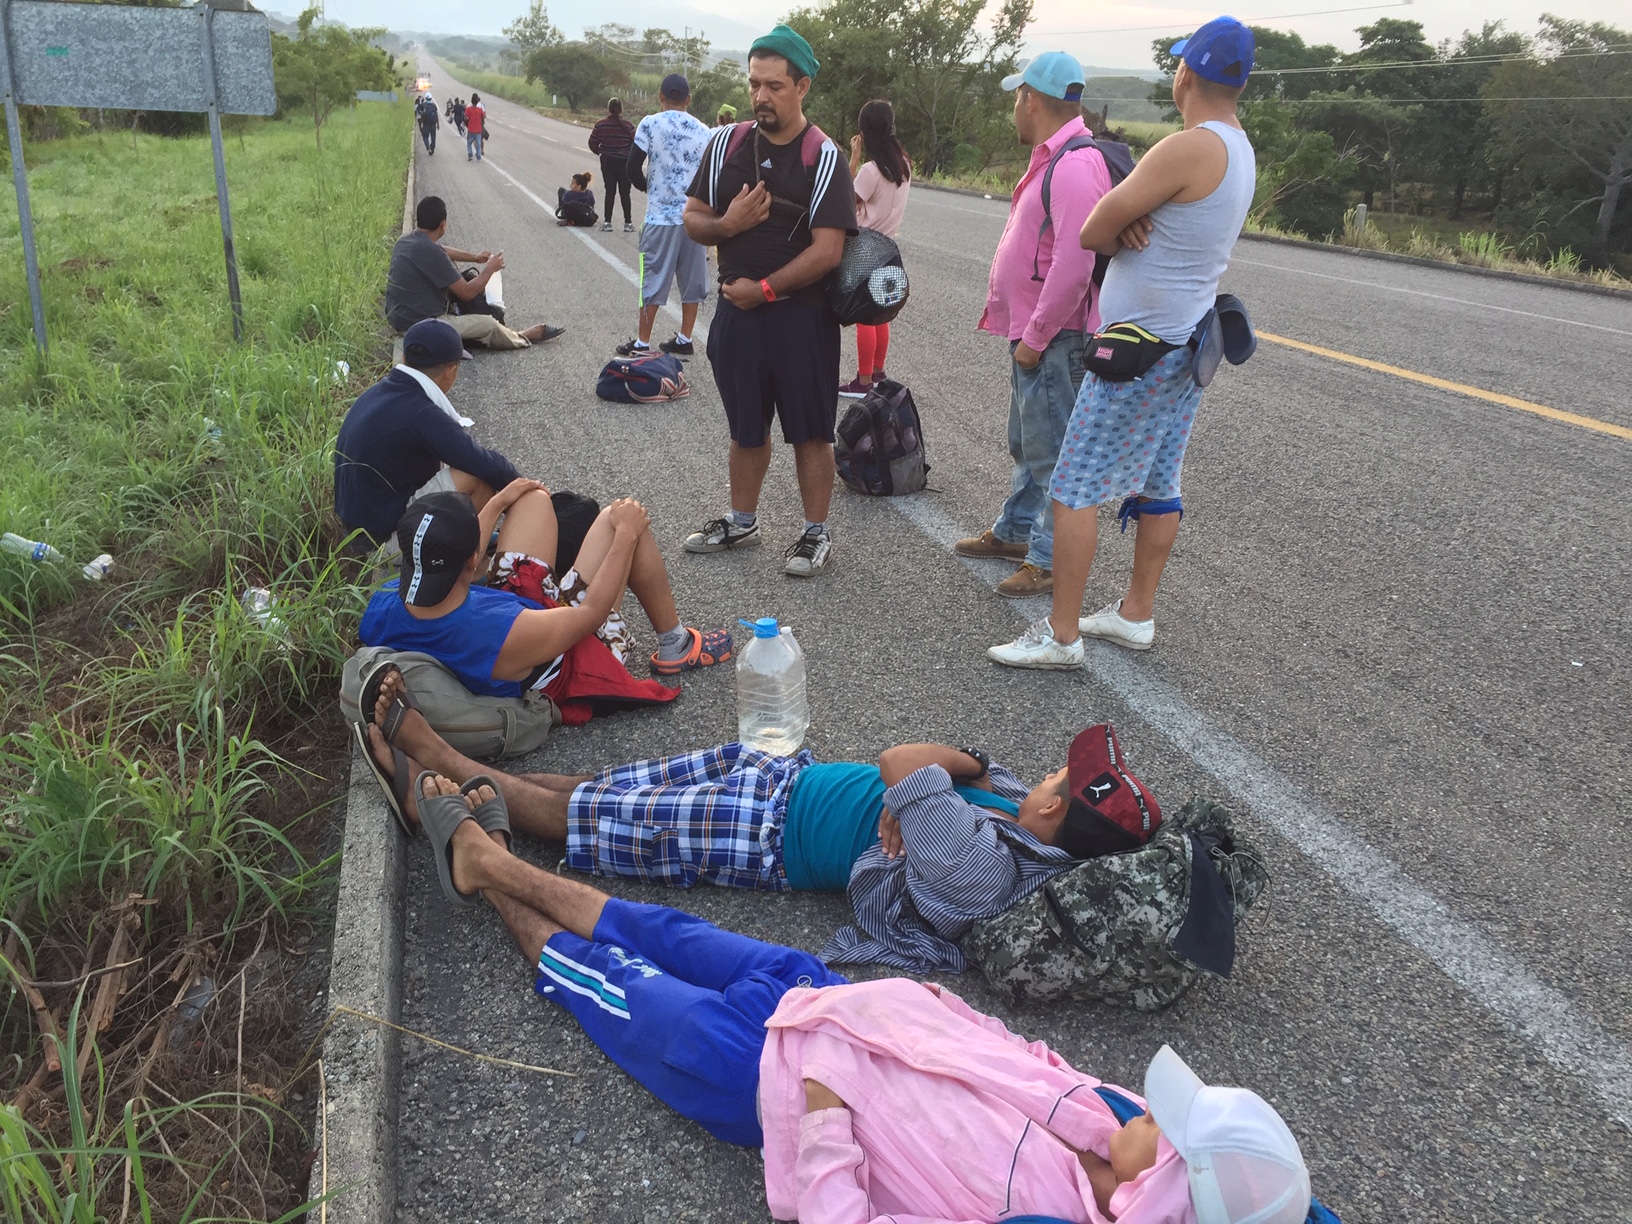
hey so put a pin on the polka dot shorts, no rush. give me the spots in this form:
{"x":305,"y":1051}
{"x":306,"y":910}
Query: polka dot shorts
{"x":1127,"y":438}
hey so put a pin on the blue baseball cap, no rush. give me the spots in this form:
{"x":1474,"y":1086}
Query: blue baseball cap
{"x":1053,"y":73}
{"x":1221,"y":51}
{"x":675,"y":87}
{"x":431,"y":343}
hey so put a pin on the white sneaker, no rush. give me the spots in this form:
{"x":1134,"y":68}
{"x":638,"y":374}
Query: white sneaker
{"x":1110,"y":625}
{"x":719,"y":534}
{"x":1037,"y":648}
{"x":808,"y":554}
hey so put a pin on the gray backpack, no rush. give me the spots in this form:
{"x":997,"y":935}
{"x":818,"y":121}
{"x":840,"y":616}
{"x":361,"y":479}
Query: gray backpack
{"x":475,"y":726}
{"x":879,"y":444}
{"x":1138,"y":928}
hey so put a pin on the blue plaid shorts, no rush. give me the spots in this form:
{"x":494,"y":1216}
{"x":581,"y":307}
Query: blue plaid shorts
{"x":714,"y":815}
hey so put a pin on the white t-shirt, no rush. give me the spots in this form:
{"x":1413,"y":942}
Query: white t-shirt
{"x":673,"y":141}
{"x":882,"y":203}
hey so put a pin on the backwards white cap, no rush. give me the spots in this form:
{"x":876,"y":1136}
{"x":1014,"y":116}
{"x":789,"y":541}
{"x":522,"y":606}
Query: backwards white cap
{"x":1244,"y":1164}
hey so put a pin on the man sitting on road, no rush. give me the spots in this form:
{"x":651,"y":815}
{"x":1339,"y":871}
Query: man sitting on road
{"x":532,"y":631}
{"x":422,"y":276}
{"x":885,"y":1100}
{"x":959,"y":833}
{"x":673,"y":139}
{"x":403,"y":439}
{"x":1171,"y":224}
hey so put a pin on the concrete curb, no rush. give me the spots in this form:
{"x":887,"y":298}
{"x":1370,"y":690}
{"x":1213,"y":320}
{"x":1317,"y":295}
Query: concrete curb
{"x":357,"y":1131}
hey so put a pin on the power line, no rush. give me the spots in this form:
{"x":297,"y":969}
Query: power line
{"x":1468,"y":61}
{"x":1359,"y":8}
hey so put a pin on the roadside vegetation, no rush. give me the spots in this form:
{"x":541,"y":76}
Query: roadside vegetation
{"x":167,"y":745}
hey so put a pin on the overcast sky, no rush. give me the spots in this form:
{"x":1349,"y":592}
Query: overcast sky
{"x":1097,"y":34}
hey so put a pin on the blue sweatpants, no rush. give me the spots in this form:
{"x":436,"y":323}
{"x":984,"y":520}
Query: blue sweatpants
{"x":680,"y":1005}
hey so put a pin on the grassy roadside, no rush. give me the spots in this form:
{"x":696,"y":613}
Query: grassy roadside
{"x":166,"y":757}
{"x":518,"y":90}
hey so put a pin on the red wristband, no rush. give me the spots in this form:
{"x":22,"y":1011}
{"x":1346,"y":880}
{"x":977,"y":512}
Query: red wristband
{"x":765,"y":288}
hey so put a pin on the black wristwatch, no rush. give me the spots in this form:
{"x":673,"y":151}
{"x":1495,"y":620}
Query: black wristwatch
{"x":984,"y":761}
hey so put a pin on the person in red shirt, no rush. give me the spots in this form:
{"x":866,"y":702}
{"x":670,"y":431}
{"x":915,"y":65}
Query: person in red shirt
{"x":475,"y":128}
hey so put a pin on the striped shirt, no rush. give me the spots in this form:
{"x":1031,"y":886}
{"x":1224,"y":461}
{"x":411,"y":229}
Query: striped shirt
{"x":613,"y":136}
{"x":961,"y":863}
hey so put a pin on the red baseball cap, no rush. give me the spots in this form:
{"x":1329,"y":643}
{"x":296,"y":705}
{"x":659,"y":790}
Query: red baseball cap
{"x":1111,"y":810}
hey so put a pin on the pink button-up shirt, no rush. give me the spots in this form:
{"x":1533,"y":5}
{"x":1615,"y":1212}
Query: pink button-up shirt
{"x":1019,"y":308}
{"x":950,"y":1118}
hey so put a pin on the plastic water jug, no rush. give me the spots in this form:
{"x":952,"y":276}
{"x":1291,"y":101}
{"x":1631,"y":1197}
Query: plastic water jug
{"x":773,"y":713}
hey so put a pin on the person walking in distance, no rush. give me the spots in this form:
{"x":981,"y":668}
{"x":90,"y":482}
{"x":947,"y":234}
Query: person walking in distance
{"x":429,"y":121}
{"x":667,"y":150}
{"x":1171,"y":225}
{"x":882,"y":175}
{"x":475,"y":128}
{"x":777,"y":199}
{"x":612,"y":138}
{"x":1041,"y":300}
{"x":459,"y":115}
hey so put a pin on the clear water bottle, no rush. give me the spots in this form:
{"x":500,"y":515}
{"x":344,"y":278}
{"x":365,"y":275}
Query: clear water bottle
{"x":34,"y":550}
{"x":258,"y":603}
{"x":99,"y":568}
{"x":773,"y":713}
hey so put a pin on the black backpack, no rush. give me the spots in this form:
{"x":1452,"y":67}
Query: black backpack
{"x":879,"y":445}
{"x":1118,"y":160}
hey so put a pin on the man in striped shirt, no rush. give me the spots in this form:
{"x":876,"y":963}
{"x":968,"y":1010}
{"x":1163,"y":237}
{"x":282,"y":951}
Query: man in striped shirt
{"x":927,"y":842}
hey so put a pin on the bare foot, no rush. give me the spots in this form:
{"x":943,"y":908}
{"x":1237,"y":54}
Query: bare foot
{"x":468,"y":838}
{"x":535,"y":333}
{"x":415,"y":736}
{"x":381,"y":752}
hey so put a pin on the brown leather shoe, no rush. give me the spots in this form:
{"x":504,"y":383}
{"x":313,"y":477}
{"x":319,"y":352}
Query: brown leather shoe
{"x":1027,"y":581}
{"x":988,"y":545}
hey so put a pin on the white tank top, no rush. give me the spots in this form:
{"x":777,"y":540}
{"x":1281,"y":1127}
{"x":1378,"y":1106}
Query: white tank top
{"x":1167,"y":287}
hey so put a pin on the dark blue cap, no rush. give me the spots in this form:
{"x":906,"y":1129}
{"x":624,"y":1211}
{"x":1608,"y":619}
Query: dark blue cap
{"x":1221,"y":51}
{"x":431,"y":343}
{"x":676,"y":88}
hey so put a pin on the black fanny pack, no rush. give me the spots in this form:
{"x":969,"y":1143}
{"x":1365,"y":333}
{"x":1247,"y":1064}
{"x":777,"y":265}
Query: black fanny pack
{"x":1124,"y":351}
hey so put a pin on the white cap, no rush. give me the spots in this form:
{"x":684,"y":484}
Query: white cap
{"x":1244,"y":1164}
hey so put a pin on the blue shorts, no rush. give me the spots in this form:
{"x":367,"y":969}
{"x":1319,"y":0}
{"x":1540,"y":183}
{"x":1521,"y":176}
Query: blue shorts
{"x":1128,"y":438}
{"x":778,"y":359}
{"x":680,"y":1005}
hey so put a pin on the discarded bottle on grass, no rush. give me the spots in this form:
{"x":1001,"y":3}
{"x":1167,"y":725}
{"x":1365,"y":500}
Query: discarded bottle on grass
{"x":98,"y":569}
{"x":34,"y":550}
{"x":258,"y":603}
{"x":773,"y":712}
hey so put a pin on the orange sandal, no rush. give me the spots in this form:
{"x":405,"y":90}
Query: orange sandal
{"x":707,"y":649}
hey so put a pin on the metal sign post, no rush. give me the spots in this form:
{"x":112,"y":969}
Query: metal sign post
{"x":124,"y":57}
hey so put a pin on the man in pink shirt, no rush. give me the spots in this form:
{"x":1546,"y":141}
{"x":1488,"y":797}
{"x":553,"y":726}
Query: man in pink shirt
{"x":879,"y":1100}
{"x":1041,"y":299}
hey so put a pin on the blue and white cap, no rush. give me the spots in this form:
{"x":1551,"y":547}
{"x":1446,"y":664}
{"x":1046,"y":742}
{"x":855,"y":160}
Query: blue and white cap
{"x":1053,"y":73}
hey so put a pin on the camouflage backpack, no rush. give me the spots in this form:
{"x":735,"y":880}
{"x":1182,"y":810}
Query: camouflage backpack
{"x":1136,"y":928}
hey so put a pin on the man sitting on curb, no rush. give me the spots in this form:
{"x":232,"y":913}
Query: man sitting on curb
{"x":403,"y":439}
{"x":422,"y":276}
{"x":878,"y":1100}
{"x":963,"y":835}
{"x":532,"y":631}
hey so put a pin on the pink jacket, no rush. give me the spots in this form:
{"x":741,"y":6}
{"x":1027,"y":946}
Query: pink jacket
{"x":1019,"y":308}
{"x":952,"y":1119}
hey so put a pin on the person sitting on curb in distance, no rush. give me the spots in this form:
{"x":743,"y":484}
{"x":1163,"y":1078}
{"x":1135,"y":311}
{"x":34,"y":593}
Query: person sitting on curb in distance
{"x":531,"y":630}
{"x":403,"y":439}
{"x":1041,"y":300}
{"x":1171,"y":225}
{"x":883,"y":176}
{"x":962,"y":835}
{"x":612,"y":138}
{"x":780,"y":224}
{"x":853,"y":1091}
{"x":422,"y":276}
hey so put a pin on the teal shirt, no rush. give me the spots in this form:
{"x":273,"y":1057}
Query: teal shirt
{"x":832,"y":820}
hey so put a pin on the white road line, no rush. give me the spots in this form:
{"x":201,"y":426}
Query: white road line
{"x":1528,"y":1006}
{"x":978,"y":212}
{"x":1438,"y":297}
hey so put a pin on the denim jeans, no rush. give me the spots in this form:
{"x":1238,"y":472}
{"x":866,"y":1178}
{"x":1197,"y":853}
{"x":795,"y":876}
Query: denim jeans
{"x":473,"y":145}
{"x":1040,"y":404}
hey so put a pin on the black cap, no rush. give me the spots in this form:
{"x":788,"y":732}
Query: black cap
{"x":438,"y":534}
{"x":431,"y":343}
{"x":676,"y":88}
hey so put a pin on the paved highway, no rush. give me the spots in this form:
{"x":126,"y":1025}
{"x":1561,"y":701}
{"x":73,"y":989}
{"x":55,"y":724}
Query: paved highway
{"x":1393,"y":634}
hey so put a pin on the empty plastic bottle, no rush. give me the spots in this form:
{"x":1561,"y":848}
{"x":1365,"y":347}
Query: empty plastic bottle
{"x":34,"y":550}
{"x":258,"y":603}
{"x":773,"y":712}
{"x":98,"y":569}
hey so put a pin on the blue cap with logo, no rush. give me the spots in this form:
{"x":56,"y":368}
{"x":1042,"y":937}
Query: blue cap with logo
{"x":1221,"y":51}
{"x":1053,"y":73}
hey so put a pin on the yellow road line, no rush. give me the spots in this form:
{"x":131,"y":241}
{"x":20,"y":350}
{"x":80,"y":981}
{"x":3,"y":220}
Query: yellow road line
{"x":1444,"y":384}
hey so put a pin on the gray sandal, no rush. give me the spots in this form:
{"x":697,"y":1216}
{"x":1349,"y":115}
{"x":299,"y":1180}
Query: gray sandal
{"x":493,"y":816}
{"x":440,"y":816}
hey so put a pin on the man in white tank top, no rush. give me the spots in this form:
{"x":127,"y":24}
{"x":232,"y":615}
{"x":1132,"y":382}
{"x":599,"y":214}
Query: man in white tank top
{"x":1171,"y":225}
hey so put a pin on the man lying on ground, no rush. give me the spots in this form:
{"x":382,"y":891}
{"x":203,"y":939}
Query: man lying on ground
{"x":962,"y":834}
{"x":403,"y":439}
{"x":422,"y":276}
{"x":879,"y":1100}
{"x":531,"y":630}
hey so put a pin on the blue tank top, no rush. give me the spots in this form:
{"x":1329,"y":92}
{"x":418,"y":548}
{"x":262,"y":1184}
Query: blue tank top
{"x":1167,"y":287}
{"x":466,"y":641}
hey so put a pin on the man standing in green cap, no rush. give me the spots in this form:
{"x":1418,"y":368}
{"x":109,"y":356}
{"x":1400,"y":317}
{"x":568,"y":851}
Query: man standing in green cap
{"x":775,"y":196}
